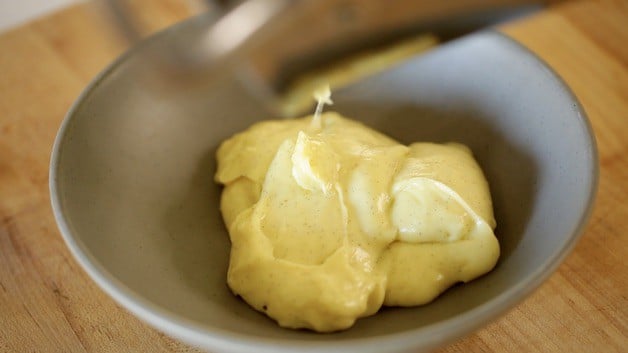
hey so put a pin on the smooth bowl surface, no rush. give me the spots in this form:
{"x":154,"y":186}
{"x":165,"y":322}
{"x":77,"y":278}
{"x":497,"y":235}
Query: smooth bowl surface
{"x":133,"y":194}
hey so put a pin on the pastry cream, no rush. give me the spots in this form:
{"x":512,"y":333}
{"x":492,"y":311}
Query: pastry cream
{"x":329,"y":220}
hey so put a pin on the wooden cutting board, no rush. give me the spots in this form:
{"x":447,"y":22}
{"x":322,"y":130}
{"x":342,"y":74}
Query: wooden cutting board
{"x":48,"y":304}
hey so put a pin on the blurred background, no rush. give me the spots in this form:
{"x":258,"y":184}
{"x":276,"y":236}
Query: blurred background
{"x":14,"y":13}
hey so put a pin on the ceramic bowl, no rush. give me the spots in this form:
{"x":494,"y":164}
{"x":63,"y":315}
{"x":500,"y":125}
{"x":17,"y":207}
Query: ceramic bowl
{"x":133,"y":194}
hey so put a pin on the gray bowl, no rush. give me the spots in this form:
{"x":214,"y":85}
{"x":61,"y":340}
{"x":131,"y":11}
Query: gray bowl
{"x":132,"y":191}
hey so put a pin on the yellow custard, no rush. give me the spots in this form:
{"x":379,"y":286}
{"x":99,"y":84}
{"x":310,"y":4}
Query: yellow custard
{"x":329,"y":220}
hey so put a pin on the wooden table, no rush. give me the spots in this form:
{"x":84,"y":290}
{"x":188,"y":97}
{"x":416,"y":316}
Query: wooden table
{"x":48,"y":304}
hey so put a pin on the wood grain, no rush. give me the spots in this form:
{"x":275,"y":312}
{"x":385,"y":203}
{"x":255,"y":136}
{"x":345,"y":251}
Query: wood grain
{"x":47,"y":303}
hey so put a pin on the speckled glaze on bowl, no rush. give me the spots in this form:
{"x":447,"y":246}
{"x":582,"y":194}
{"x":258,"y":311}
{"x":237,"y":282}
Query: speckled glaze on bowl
{"x":132,"y":191}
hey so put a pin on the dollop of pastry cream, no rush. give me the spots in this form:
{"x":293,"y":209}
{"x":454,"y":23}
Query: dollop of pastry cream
{"x":330,"y":219}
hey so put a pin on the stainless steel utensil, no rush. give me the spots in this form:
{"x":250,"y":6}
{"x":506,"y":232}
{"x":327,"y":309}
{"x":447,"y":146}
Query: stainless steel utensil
{"x":273,"y":42}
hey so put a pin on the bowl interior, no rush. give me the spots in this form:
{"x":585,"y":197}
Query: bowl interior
{"x":134,"y":166}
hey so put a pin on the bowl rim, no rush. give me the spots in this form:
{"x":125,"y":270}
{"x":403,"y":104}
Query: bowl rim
{"x":200,"y":335}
